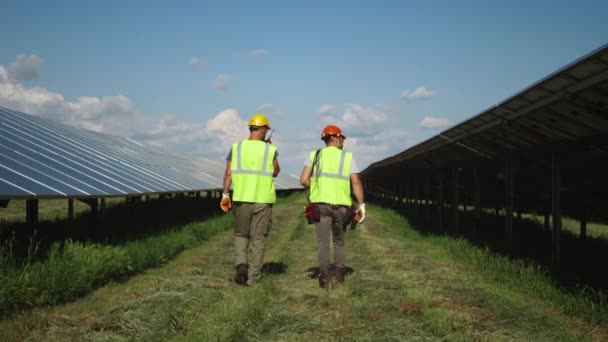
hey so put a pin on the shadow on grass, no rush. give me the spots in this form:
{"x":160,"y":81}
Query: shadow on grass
{"x":314,"y":272}
{"x":581,"y":259}
{"x":120,"y":223}
{"x":274,"y":268}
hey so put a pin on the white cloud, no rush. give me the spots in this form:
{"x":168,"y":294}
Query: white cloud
{"x":252,"y":53}
{"x":221,"y":82}
{"x":267,"y":107}
{"x":327,"y":109}
{"x":369,"y":135}
{"x":26,"y":68}
{"x":108,"y":114}
{"x":3,"y":75}
{"x":372,"y":148}
{"x":385,"y":141}
{"x":170,"y":132}
{"x":356,"y":115}
{"x":227,"y":127}
{"x":417,"y":94}
{"x":270,"y":109}
{"x":353,"y":119}
{"x":258,"y":53}
{"x":197,"y":62}
{"x":358,"y":120}
{"x":116,"y":115}
{"x":30,"y":100}
{"x":433,"y":122}
{"x":91,"y":107}
{"x":212,"y":139}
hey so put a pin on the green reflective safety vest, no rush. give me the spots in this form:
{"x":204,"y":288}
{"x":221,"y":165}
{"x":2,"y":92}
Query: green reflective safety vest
{"x":330,"y":179}
{"x":251,"y":169}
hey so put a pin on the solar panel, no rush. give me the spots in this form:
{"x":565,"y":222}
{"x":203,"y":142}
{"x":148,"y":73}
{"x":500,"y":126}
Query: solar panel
{"x":41,"y":158}
{"x":48,"y":159}
{"x":556,"y":126}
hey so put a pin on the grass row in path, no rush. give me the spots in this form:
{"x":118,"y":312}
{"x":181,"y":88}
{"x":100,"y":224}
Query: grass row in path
{"x":451,"y":298}
{"x":242,"y":312}
{"x":399,"y":289}
{"x":591,"y":306}
{"x":73,"y":269}
{"x":403,"y":286}
{"x":173,"y":301}
{"x":150,"y":306}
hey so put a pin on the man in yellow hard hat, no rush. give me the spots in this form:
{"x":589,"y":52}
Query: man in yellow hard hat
{"x":250,"y":167}
{"x":329,"y":173}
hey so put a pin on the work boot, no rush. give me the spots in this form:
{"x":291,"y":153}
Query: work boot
{"x":241,"y":274}
{"x":339,"y":273}
{"x":324,"y":278}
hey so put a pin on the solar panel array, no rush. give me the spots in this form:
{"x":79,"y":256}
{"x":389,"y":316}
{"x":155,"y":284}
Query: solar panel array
{"x":41,"y":158}
{"x":565,"y":115}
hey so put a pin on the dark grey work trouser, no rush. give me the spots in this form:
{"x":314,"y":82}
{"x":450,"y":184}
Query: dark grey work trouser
{"x":333,"y":219}
{"x":252,"y":226}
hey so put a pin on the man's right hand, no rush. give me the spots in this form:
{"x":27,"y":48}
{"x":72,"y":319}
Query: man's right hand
{"x":226,"y":202}
{"x":361,"y":213}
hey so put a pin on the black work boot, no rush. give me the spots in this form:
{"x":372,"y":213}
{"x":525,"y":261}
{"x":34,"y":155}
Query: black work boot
{"x":241,"y":274}
{"x":339,"y":273}
{"x":324,"y":278}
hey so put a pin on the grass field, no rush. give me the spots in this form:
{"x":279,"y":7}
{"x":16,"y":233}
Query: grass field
{"x":402,"y":286}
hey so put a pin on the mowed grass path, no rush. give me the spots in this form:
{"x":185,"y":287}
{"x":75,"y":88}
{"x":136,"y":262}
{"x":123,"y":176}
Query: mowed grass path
{"x":402,"y":288}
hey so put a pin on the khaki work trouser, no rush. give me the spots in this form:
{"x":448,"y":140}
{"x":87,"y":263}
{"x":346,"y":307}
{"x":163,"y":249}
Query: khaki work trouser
{"x":252,"y":225}
{"x":332,"y":222}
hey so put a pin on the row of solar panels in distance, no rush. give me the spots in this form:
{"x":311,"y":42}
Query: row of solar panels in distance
{"x":45,"y":158}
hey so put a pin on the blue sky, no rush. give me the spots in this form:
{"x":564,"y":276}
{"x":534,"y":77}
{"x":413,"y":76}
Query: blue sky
{"x":188,"y":75}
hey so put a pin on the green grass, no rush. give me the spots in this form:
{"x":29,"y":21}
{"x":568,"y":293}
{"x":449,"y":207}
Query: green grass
{"x":594,"y":229}
{"x":49,"y":210}
{"x":528,"y":276}
{"x":403,"y":286}
{"x":570,"y":224}
{"x":72,"y":269}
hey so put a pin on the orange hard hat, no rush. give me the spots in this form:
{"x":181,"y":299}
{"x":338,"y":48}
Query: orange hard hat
{"x":332,"y":130}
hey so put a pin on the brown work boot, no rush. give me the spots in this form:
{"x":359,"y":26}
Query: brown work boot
{"x":339,"y":273}
{"x":324,"y":278}
{"x":241,"y":274}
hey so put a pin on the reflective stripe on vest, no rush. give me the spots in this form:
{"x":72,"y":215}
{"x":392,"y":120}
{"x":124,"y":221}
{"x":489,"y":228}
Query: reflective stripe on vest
{"x":339,"y":174}
{"x":328,"y":184}
{"x":251,"y":169}
{"x":239,"y":167}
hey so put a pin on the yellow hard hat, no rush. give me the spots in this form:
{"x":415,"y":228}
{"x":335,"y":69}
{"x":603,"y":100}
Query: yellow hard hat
{"x":259,"y":120}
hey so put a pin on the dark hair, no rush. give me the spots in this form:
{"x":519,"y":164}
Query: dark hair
{"x":254,"y":128}
{"x":327,"y":138}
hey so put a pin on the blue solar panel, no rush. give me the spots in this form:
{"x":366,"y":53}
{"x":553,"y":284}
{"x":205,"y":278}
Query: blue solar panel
{"x":10,"y":190}
{"x":43,"y":158}
{"x":47,"y":159}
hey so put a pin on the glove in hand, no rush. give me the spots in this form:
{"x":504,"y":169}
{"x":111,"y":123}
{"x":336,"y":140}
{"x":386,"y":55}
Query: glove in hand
{"x":361,"y":213}
{"x":226,"y":202}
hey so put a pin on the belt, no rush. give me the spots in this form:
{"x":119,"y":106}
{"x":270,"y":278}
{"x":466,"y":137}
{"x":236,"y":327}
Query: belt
{"x":334,"y":206}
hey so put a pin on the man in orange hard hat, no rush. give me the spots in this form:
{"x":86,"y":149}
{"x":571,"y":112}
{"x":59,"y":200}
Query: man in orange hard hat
{"x":250,"y":167}
{"x":329,"y":173}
